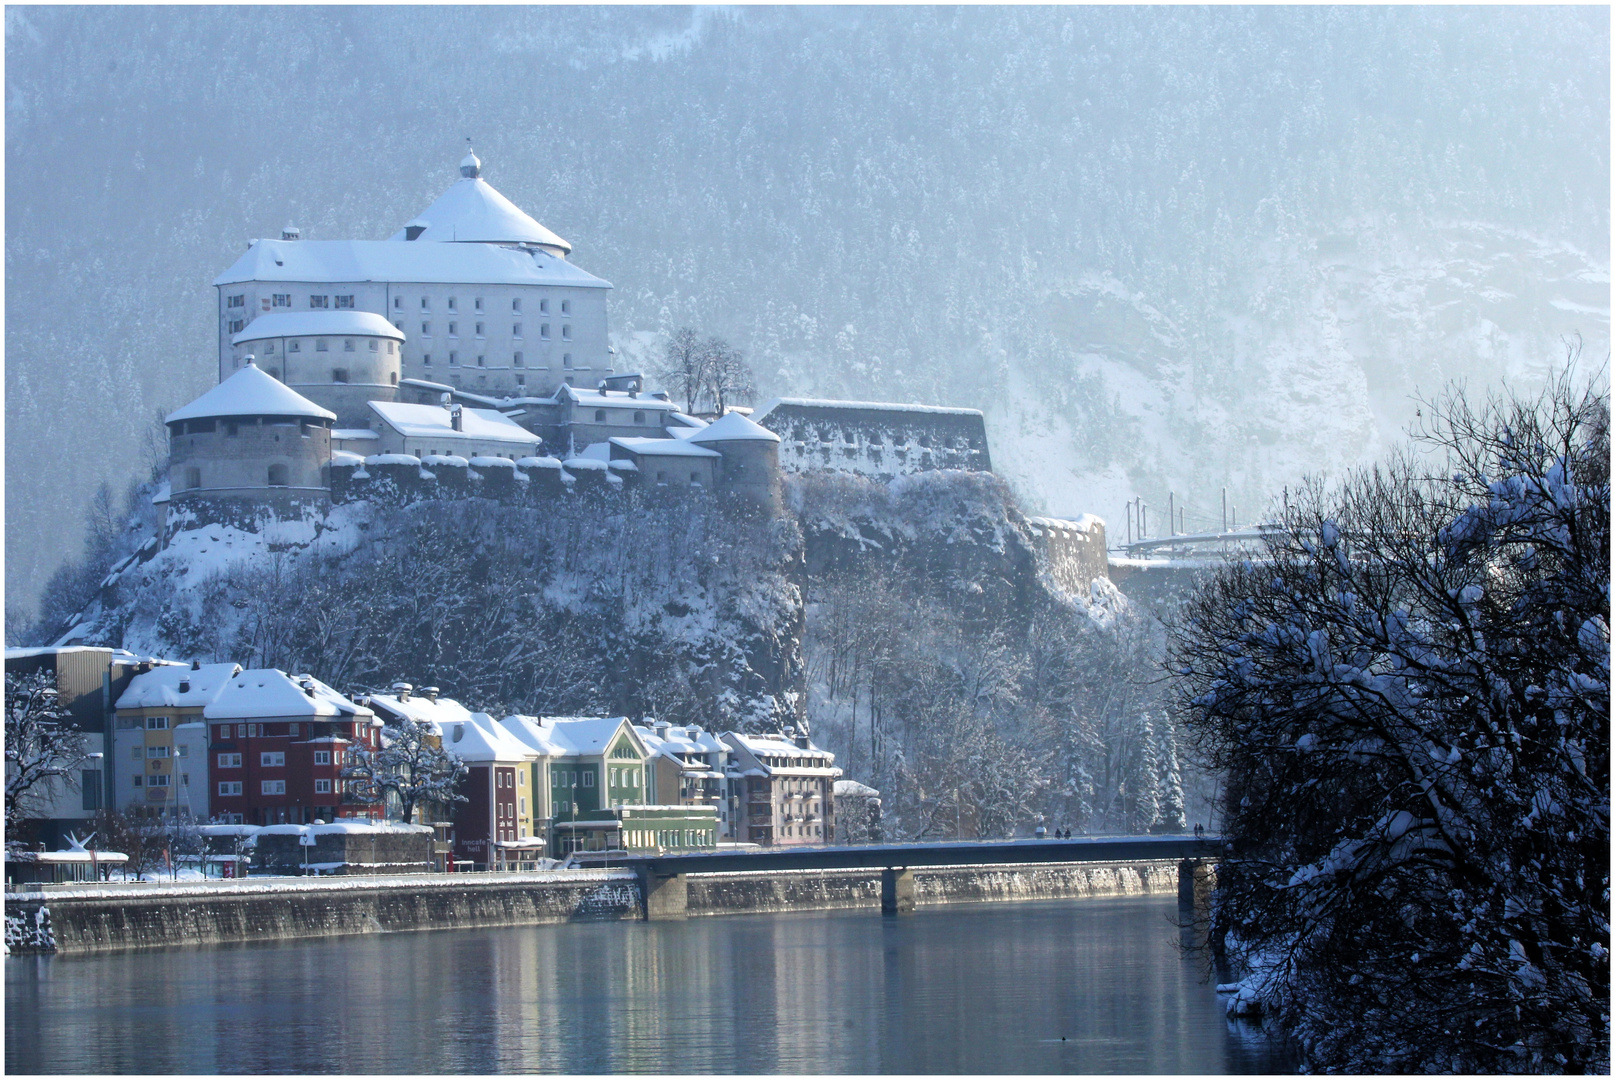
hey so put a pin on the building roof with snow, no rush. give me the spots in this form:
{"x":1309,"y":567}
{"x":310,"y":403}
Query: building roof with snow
{"x":435,"y":422}
{"x":615,"y":399}
{"x":282,"y":324}
{"x":472,"y":211}
{"x":570,"y":736}
{"x":342,"y":261}
{"x":180,"y":687}
{"x":424,"y":707}
{"x":478,"y":738}
{"x":270,"y":693}
{"x":250,"y":392}
{"x":777,"y":753}
{"x":640,"y":446}
{"x":734,"y":427}
{"x":869,"y":406}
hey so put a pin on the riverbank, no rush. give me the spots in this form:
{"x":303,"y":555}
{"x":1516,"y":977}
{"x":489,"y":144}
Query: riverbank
{"x":92,"y":919}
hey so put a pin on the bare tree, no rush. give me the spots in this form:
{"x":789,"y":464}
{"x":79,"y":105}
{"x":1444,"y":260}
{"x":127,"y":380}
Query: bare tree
{"x":1409,"y":695}
{"x":411,"y":766}
{"x":684,"y":367}
{"x":42,"y":751}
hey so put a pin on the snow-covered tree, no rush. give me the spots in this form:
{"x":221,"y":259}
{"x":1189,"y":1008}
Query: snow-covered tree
{"x":411,"y":767}
{"x":1409,"y":692}
{"x":1169,"y":785}
{"x":42,"y":750}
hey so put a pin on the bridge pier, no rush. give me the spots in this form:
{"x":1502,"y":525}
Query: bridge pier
{"x":667,"y":896}
{"x":897,"y":891}
{"x":1196,"y":879}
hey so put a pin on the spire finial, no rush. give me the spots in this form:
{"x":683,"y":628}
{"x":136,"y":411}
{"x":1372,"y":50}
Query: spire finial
{"x":470,"y":167}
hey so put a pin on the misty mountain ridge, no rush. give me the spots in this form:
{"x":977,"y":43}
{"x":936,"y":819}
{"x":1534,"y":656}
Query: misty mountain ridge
{"x":1162,"y":249}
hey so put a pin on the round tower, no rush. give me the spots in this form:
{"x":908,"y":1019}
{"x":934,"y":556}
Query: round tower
{"x":250,"y":438}
{"x":750,"y":466}
{"x":340,"y":360}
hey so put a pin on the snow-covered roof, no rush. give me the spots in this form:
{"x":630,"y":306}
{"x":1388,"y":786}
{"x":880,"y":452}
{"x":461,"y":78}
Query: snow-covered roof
{"x":347,"y":458}
{"x":566,"y":736}
{"x":853,"y":789}
{"x":340,"y":261}
{"x":433,"y":421}
{"x":616,"y":399}
{"x":268,"y":692}
{"x":673,"y":741}
{"x":643,"y":447}
{"x":778,"y":746}
{"x":314,"y":323}
{"x":1085,"y":523}
{"x":478,"y":738}
{"x":471,"y":210}
{"x":421,"y":709}
{"x":250,"y":392}
{"x":734,"y":427}
{"x":352,"y":434}
{"x":539,"y":462}
{"x":177,"y":687}
{"x":883,"y":406}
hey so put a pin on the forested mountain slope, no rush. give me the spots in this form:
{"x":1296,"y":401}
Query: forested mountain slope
{"x":1164,"y":249}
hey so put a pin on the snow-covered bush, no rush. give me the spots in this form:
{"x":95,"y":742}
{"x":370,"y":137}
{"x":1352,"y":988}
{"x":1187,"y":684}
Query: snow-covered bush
{"x":1410,"y":696}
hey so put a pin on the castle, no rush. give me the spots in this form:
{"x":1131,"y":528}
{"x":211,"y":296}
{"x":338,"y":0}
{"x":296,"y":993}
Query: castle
{"x":467,"y":348}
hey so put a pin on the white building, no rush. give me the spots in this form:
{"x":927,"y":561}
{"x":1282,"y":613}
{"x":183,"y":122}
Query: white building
{"x":337,"y":359}
{"x":425,"y":431}
{"x":483,"y":293}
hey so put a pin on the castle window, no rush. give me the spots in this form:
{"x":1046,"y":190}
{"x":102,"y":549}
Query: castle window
{"x":238,"y":300}
{"x":295,"y":346}
{"x":274,"y":372}
{"x":398,"y":302}
{"x":426,"y":303}
{"x":516,"y":330}
{"x":479,"y":303}
{"x":347,"y":344}
{"x":479,"y":330}
{"x":639,"y":418}
{"x":566,"y":332}
{"x":375,"y":346}
{"x":282,"y":299}
{"x":661,"y":477}
{"x":319,"y":301}
{"x":480,"y":362}
{"x":454,"y":329}
{"x":320,"y":345}
{"x":339,"y":375}
{"x":544,"y":331}
{"x":193,"y":477}
{"x":566,"y":361}
{"x":600,"y":416}
{"x":230,"y":429}
{"x":269,"y":346}
{"x":344,"y":302}
{"x":278,"y":475}
{"x":517,"y":358}
{"x":454,"y":304}
{"x":521,"y":380}
{"x":390,"y":345}
{"x":543,"y":307}
{"x":236,"y":325}
{"x":426,"y":359}
{"x":454,"y":359}
{"x":566,"y":307}
{"x":426,"y":329}
{"x":398,"y":324}
{"x":516,"y":305}
{"x":394,"y":378}
{"x":695,"y":479}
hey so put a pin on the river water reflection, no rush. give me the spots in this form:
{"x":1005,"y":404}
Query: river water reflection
{"x":1049,"y":986}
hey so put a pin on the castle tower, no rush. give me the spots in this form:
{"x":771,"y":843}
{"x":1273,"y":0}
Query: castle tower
{"x":250,"y":438}
{"x":750,"y":458}
{"x":340,"y":360}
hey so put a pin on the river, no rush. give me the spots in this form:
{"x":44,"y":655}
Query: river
{"x":1094,"y":985}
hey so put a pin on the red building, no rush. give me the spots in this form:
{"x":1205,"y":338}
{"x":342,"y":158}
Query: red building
{"x":276,"y":747}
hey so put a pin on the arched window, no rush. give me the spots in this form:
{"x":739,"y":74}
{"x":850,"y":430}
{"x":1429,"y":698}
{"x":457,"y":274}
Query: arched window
{"x":375,"y":346}
{"x":390,"y":345}
{"x":600,"y":416}
{"x":278,"y":476}
{"x":347,"y":344}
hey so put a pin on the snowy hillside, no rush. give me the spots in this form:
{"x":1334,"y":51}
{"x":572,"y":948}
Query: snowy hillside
{"x":1163,"y":249}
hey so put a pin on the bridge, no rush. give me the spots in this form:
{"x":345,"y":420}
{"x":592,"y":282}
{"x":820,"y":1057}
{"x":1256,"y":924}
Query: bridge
{"x":663,"y":877}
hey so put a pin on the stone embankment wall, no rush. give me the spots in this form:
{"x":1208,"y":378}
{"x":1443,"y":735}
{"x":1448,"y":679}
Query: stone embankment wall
{"x":807,"y":890}
{"x":95,"y":919}
{"x":81,"y":921}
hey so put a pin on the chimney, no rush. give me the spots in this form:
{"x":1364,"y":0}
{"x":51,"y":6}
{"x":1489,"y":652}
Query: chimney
{"x":185,"y":686}
{"x":430,"y":692}
{"x":196,"y":665}
{"x":801,"y":740}
{"x":402,"y":689}
{"x":456,"y":418}
{"x":291,"y":232}
{"x":308,"y":687}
